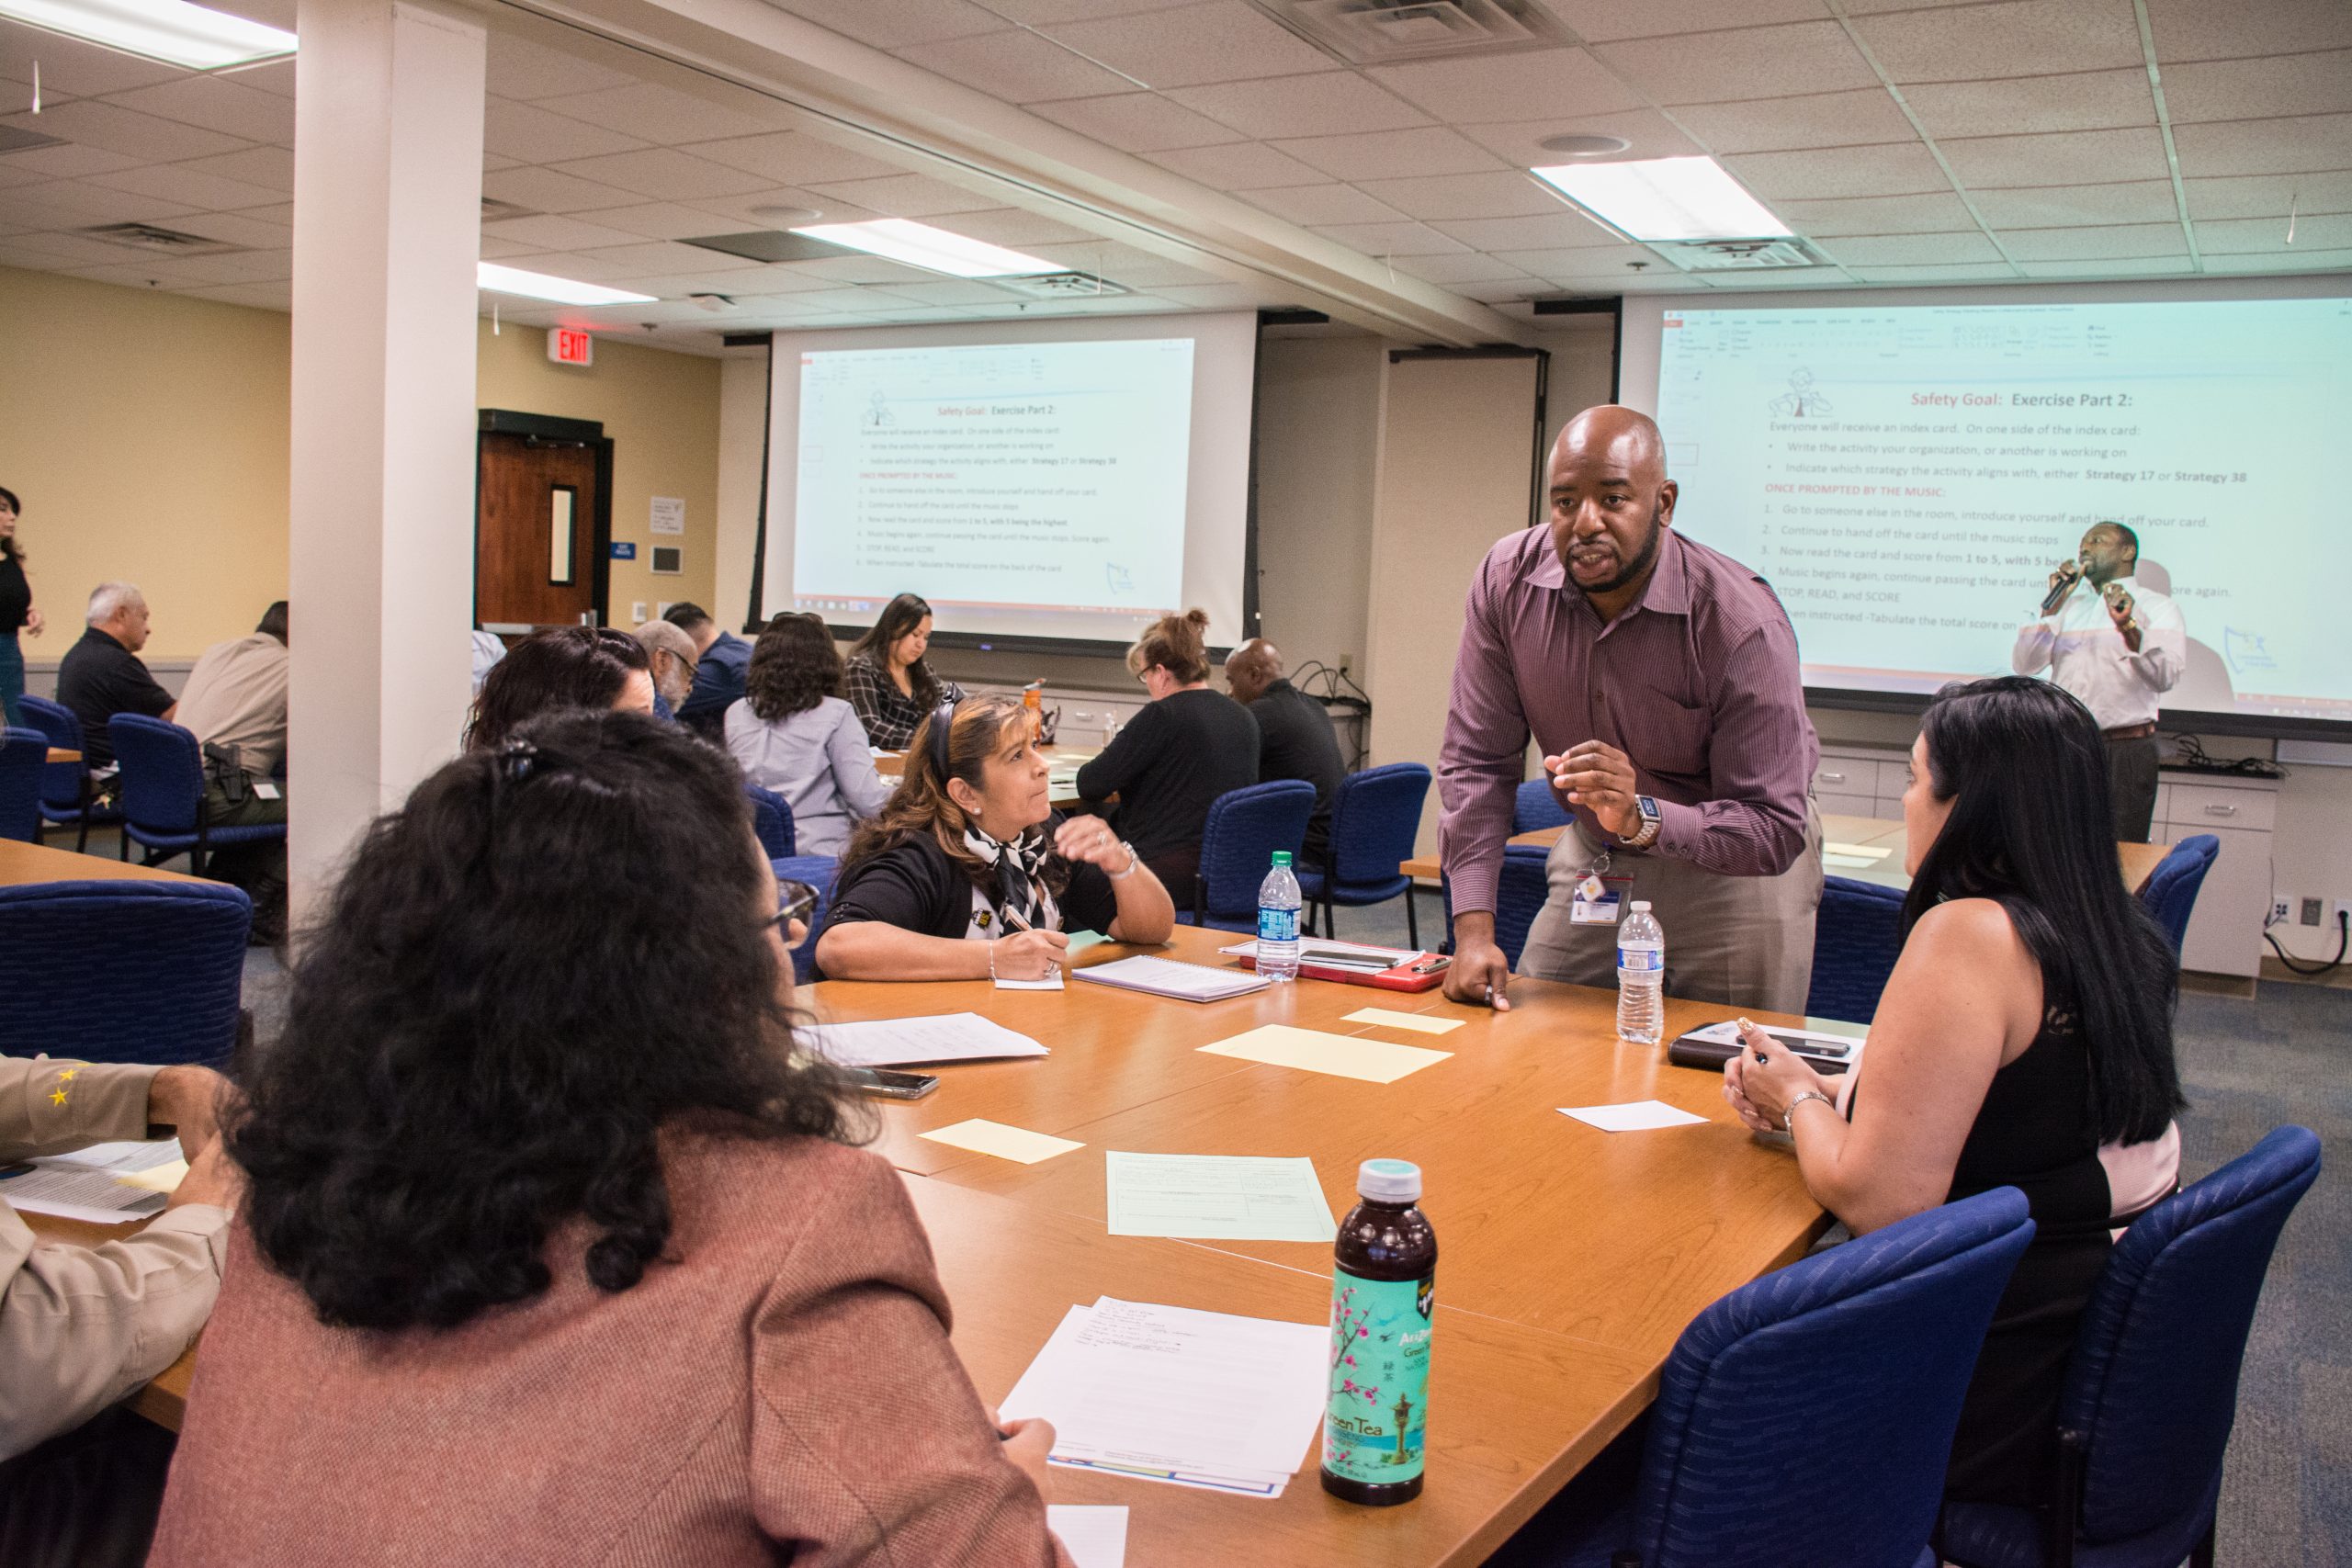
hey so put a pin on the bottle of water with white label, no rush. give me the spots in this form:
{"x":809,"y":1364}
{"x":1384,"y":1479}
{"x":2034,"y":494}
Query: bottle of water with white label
{"x":1278,"y":906}
{"x":1641,"y":977}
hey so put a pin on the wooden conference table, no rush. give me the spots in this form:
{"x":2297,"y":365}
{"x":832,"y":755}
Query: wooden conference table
{"x":1868,"y":834}
{"x":64,"y":754}
{"x":24,"y":862}
{"x":1570,"y":1259}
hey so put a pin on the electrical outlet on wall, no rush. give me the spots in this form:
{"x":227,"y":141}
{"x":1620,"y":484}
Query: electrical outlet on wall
{"x":2308,"y":911}
{"x":2338,"y":913}
{"x":2282,"y":907}
{"x":636,"y":611}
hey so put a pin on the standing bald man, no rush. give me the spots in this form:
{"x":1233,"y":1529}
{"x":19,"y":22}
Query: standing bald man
{"x":1660,"y":679}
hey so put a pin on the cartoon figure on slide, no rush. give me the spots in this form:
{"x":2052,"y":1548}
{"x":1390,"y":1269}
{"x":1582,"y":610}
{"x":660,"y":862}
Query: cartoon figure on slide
{"x":1801,"y":401}
{"x":877,"y":413}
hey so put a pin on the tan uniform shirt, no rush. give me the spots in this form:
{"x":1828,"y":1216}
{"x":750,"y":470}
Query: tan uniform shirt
{"x":81,"y":1327}
{"x":236,"y":697}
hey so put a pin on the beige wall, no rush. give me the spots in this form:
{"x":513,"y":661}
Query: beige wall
{"x":1319,"y":444}
{"x":662,"y":412}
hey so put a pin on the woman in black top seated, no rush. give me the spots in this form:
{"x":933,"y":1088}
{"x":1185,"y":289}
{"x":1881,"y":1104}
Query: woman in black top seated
{"x":968,"y":874}
{"x":1169,"y":765}
{"x":2024,"y":1040}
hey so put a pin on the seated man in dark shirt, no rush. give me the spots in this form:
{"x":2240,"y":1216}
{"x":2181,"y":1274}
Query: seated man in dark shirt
{"x":102,"y":675}
{"x":1295,"y":735}
{"x":721,"y":660}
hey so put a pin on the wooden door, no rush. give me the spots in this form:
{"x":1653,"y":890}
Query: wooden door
{"x":538,"y":559}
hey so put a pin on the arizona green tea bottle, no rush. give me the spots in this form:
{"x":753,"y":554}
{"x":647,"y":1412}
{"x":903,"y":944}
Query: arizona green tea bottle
{"x":1384,"y":1290}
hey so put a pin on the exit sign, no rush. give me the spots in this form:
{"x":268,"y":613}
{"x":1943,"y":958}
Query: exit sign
{"x":571,"y":345}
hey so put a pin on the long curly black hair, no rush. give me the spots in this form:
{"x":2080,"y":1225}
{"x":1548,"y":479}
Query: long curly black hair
{"x":491,"y":1026}
{"x":793,"y":667}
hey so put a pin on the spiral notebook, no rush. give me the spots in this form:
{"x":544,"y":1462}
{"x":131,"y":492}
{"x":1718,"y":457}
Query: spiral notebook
{"x":1172,"y":977}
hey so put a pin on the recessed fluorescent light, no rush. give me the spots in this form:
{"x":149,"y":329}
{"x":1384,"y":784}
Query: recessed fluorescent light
{"x":934,"y":250}
{"x":170,"y":30}
{"x":540,"y":285}
{"x":1666,"y":198}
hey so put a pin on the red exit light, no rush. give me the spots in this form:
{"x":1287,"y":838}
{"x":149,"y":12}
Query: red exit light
{"x":571,"y":345}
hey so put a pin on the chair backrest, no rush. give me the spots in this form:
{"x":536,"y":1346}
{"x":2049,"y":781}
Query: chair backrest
{"x":1857,"y":937}
{"x":820,"y":871}
{"x":2171,"y":892}
{"x":60,"y":783}
{"x":163,"y":773}
{"x":1808,"y":1417}
{"x":123,"y":970}
{"x":1375,"y":821}
{"x":1522,"y":885}
{"x":772,"y":821}
{"x":1245,"y":828}
{"x":23,"y":757}
{"x":1536,"y":807}
{"x":2154,"y":1382}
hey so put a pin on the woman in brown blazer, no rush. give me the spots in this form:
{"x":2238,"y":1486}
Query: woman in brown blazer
{"x":553,"y":1251}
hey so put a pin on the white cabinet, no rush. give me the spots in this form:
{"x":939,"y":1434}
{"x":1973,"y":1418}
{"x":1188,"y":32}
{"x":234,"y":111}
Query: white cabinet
{"x":1860,"y":781}
{"x":2225,"y":929}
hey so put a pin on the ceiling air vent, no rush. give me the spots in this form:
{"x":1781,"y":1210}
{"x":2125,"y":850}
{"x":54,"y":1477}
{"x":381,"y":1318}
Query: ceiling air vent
{"x":1391,"y":32}
{"x":1737,"y":255}
{"x":1059,"y":286}
{"x":157,"y":241}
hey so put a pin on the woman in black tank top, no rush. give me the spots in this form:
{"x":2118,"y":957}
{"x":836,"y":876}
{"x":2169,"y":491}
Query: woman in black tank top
{"x":2024,"y":1040}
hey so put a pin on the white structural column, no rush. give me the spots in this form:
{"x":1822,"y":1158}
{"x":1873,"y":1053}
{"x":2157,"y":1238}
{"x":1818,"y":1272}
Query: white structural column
{"x":387,"y":230}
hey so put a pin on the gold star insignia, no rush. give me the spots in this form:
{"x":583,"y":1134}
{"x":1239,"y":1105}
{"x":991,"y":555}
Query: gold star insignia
{"x":67,"y":1076}
{"x":58,"y":1098}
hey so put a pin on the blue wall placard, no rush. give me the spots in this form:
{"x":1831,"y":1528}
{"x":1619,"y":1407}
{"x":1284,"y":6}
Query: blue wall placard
{"x":624,"y":550}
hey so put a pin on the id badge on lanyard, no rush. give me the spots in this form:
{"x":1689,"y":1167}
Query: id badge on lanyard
{"x":1600,"y":898}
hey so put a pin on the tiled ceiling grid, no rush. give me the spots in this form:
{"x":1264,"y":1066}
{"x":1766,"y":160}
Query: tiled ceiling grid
{"x":1911,"y":142}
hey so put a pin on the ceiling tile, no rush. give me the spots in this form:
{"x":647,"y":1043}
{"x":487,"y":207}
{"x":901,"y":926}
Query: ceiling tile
{"x":189,"y":188}
{"x":850,"y":299}
{"x":1529,"y":85}
{"x":1513,"y":194}
{"x":1899,"y":168}
{"x":1405,"y":239}
{"x":1587,"y":263}
{"x":895,"y":24}
{"x":2071,"y":207}
{"x":73,"y":69}
{"x":1466,"y":266}
{"x":546,"y":191}
{"x":656,"y":258}
{"x":2089,"y":100}
{"x":1246,"y":165}
{"x":534,"y":136}
{"x":1124,"y":264}
{"x":2076,"y":158}
{"x":657,"y":114}
{"x":666,"y":172}
{"x":112,"y":129}
{"x":553,"y":234}
{"x":2313,"y":232}
{"x":81,"y":206}
{"x":2200,"y":30}
{"x":2295,"y":145}
{"x":2267,"y":196}
{"x":660,"y":220}
{"x":1560,"y":229}
{"x":838,"y":270}
{"x":52,"y":252}
{"x":2296,"y":260}
{"x":1652,"y":135}
{"x":1936,"y":272}
{"x":754,"y":282}
{"x":1014,"y":226}
{"x":2113,"y":267}
{"x":1221,"y":41}
{"x":1331,"y":103}
{"x":577,"y":264}
{"x":1600,"y":20}
{"x":908,"y":196}
{"x":1707,"y":68}
{"x":239,"y":266}
{"x":1042,"y":13}
{"x":955,"y":291}
{"x":498,"y":249}
{"x":1019,"y":67}
{"x":2090,"y":244}
{"x":1925,"y":214}
{"x":1434,"y":149}
{"x":522,"y":69}
{"x":1810,"y":120}
{"x":2026,"y":38}
{"x":1911,"y":250}
{"x":2252,"y":89}
{"x":62,"y":162}
{"x":793,"y":158}
{"x":237,"y":229}
{"x":1135,"y":122}
{"x":270,"y":166}
{"x":1323,"y":204}
{"x":1494,"y":293}
{"x":1218,"y":296}
{"x":218,"y":103}
{"x":751,"y":209}
{"x":276,"y":76}
{"x":1767,"y":277}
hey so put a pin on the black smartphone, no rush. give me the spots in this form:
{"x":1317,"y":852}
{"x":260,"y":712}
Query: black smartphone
{"x":891,"y":1085}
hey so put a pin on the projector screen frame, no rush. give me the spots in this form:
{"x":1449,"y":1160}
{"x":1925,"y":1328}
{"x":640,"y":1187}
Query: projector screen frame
{"x":1640,"y":328}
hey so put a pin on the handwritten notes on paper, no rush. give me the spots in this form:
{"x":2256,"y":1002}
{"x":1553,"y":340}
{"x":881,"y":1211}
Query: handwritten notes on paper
{"x":1217,"y":1198}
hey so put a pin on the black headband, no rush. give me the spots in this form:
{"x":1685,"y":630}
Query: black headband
{"x":943,"y":719}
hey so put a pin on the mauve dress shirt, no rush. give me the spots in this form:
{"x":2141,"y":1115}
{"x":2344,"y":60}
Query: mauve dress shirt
{"x":1697,"y":681}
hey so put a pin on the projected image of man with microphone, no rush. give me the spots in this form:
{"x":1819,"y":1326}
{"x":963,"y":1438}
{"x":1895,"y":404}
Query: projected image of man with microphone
{"x":2117,"y":645}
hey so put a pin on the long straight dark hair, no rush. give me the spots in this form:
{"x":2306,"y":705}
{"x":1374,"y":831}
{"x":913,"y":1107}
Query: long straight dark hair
{"x":2031,"y":825}
{"x":900,"y":616}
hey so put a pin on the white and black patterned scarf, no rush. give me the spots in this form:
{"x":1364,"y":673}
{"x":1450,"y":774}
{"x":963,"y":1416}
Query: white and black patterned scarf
{"x":1022,"y":898}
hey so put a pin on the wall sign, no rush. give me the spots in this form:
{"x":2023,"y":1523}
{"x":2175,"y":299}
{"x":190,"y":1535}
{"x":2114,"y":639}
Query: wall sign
{"x":667,"y":515}
{"x":571,"y":346}
{"x":624,"y":550}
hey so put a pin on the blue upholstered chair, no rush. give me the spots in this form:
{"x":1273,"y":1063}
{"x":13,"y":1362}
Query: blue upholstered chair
{"x":1245,"y":828}
{"x":1374,"y":819}
{"x":23,"y":757}
{"x":1806,"y":1419}
{"x":1521,"y":887}
{"x":65,"y":787}
{"x":2153,"y":1388}
{"x":772,"y":821}
{"x":163,"y":794}
{"x":1537,"y":806}
{"x":820,"y":871}
{"x":2171,"y":892}
{"x":1857,"y":937}
{"x":123,"y":970}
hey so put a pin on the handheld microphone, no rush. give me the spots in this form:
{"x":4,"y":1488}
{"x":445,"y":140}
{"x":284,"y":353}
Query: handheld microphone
{"x":2068,"y":575}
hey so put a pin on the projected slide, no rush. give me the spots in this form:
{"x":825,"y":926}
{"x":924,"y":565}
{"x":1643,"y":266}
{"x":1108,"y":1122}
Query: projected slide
{"x":1906,"y":476}
{"x":1005,"y":479}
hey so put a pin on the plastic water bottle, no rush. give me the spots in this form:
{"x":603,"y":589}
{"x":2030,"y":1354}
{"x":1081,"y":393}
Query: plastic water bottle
{"x":1278,"y":906}
{"x":1641,"y":977}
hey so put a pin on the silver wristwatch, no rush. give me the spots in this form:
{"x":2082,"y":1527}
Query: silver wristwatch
{"x":1645,"y":835}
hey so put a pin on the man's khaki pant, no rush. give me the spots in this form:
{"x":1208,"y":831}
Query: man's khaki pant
{"x":1745,"y":942}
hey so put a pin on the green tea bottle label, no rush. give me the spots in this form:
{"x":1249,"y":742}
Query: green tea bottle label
{"x":1376,"y":1422}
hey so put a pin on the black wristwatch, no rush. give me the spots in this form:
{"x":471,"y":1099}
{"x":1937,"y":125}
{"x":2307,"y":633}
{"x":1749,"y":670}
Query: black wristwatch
{"x":1645,"y":835}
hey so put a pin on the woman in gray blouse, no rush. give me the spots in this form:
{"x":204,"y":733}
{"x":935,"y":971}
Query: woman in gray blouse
{"x":792,"y":733}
